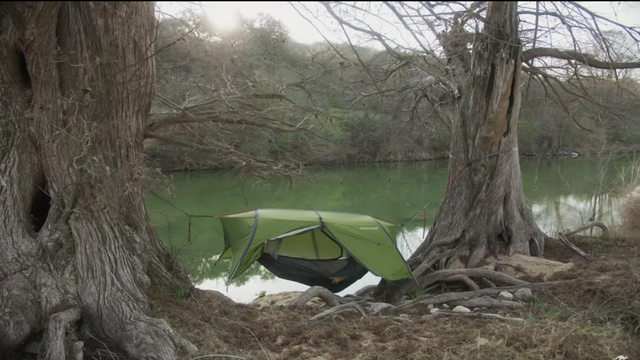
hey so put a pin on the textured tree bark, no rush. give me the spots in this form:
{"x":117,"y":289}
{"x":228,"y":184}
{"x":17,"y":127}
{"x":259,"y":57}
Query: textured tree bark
{"x":76,"y":85}
{"x":484,"y":209}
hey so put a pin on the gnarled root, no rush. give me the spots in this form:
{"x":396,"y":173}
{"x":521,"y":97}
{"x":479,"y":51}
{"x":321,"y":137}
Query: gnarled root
{"x":458,"y":297}
{"x":587,"y":226}
{"x":19,"y":311}
{"x":457,"y":274}
{"x":53,"y":344}
{"x":149,"y":338}
{"x":317,"y":291}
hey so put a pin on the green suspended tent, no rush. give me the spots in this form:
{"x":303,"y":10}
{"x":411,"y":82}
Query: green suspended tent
{"x":312,"y":247}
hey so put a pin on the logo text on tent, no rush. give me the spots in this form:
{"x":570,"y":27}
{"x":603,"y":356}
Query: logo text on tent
{"x":368,"y":228}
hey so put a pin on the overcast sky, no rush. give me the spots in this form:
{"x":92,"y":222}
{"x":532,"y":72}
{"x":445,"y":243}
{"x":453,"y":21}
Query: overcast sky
{"x":225,"y":15}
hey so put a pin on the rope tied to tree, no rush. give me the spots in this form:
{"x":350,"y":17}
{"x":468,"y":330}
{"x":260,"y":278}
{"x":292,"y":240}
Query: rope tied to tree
{"x":188,"y":215}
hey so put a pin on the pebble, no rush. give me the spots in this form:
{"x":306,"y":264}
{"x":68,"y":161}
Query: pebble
{"x":524,"y":294}
{"x":506,"y":295}
{"x":461,"y":309}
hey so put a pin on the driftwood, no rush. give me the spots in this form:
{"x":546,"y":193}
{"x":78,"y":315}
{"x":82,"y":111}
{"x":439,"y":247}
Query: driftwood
{"x":563,"y":236}
{"x":570,"y":245}
{"x":317,"y":291}
{"x":475,"y":315}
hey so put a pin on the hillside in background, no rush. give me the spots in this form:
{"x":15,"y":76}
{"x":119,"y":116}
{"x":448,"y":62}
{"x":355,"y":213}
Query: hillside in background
{"x":252,"y":95}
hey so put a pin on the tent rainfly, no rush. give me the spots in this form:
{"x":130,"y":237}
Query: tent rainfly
{"x":313,"y":247}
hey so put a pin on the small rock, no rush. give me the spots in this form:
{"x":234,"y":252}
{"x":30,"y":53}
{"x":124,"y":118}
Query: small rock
{"x":434,"y":310}
{"x":430,"y":306}
{"x":461,"y":309}
{"x":404,"y":316}
{"x":524,"y":294}
{"x":280,"y":340}
{"x":445,"y":306}
{"x":506,"y":295}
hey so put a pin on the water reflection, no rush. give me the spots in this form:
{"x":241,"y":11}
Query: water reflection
{"x":561,"y":193}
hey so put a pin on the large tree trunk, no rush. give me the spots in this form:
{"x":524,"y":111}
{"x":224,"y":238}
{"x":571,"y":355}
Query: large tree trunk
{"x":484,"y":210}
{"x":76,"y":85}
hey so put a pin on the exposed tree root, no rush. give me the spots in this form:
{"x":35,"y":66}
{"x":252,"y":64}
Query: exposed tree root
{"x":376,"y":308}
{"x":365,"y":290}
{"x":487,"y":302}
{"x":440,"y":259}
{"x":317,"y":291}
{"x":488,"y":282}
{"x":443,"y":275}
{"x":349,"y":307}
{"x":465,"y":279}
{"x":147,"y":337}
{"x":475,"y":315}
{"x":53,"y":344}
{"x":444,"y":242}
{"x":587,"y":226}
{"x":466,"y":295}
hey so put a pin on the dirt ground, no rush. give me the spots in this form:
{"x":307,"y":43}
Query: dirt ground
{"x":593,"y":314}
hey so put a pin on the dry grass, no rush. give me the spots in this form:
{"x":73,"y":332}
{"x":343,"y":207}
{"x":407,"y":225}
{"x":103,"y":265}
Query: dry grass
{"x":596,"y":317}
{"x":631,"y":211}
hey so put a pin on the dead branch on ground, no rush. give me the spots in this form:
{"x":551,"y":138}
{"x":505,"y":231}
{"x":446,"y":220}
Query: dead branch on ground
{"x":475,"y":315}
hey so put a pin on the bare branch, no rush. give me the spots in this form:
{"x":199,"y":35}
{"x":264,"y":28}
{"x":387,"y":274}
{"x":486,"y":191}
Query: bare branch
{"x":183,"y":119}
{"x":588,"y":60}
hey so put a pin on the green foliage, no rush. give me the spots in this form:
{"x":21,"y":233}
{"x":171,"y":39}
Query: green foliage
{"x":261,"y":294}
{"x":413,"y":295}
{"x":181,"y":295}
{"x":532,"y":319}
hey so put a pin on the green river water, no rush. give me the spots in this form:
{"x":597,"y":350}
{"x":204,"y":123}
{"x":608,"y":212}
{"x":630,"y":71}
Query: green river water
{"x":562,"y":194}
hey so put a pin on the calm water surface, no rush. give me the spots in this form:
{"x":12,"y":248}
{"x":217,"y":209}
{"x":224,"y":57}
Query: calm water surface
{"x":562,"y":194}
